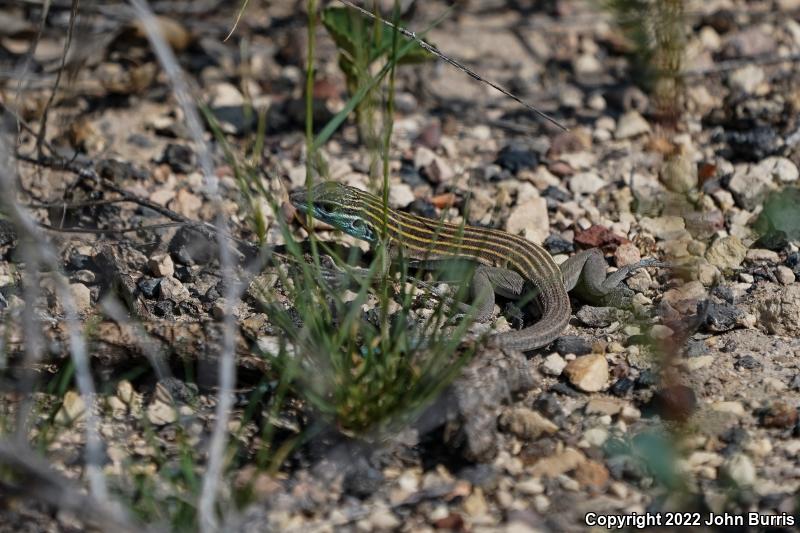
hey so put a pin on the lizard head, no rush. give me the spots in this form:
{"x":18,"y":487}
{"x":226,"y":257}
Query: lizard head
{"x":341,"y":206}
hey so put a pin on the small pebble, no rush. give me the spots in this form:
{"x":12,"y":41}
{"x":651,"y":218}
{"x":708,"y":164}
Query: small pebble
{"x":785,"y":275}
{"x":588,"y":373}
{"x":631,"y":124}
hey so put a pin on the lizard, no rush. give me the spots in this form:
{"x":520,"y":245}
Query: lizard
{"x":506,"y":264}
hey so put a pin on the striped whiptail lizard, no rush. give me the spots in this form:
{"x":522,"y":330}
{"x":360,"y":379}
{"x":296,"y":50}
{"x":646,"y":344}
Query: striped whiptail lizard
{"x":507,"y":264}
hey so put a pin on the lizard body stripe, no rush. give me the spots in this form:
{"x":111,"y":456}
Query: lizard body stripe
{"x":482,"y":236}
{"x":536,"y":259}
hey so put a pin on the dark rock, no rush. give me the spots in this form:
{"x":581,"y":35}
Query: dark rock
{"x":233,"y":119}
{"x":747,"y":362}
{"x":572,"y":344}
{"x":549,"y":405}
{"x":793,"y":260}
{"x":481,"y":475}
{"x":211,"y":295}
{"x":626,"y":467}
{"x":515,"y":158}
{"x":724,"y":292}
{"x":178,"y":390}
{"x":729,"y":346}
{"x":675,"y":402}
{"x":755,"y":144}
{"x":150,"y":287}
{"x":622,"y":386}
{"x":189,"y":247}
{"x":423,"y":208}
{"x":647,"y":378}
{"x":566,"y":390}
{"x":515,"y":315}
{"x":80,"y":262}
{"x":184,"y":274}
{"x":115,"y":170}
{"x":775,"y":240}
{"x":722,"y":20}
{"x":361,"y":479}
{"x":557,"y":245}
{"x":291,"y":114}
{"x":409,"y":174}
{"x":164,"y":309}
{"x":695,"y":348}
{"x":721,"y":317}
{"x":557,"y":194}
{"x":773,"y":500}
{"x":627,"y":98}
{"x":7,"y":232}
{"x":795,"y":383}
{"x":735,"y":435}
{"x":179,"y":158}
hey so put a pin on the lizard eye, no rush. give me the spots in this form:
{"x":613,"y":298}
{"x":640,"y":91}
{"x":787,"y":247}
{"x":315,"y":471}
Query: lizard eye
{"x":357,"y":224}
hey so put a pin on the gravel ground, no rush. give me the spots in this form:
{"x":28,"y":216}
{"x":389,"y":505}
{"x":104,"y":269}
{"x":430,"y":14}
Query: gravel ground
{"x":686,"y":402}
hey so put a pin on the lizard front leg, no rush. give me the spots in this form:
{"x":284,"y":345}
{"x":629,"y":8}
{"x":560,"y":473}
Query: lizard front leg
{"x":586,"y":273}
{"x":486,"y":281}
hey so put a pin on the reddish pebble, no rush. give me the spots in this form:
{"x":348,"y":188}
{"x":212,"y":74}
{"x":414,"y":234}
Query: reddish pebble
{"x":599,"y":237}
{"x":444,"y":200}
{"x":452,"y":521}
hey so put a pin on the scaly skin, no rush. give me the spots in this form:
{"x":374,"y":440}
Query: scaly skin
{"x":507,"y":264}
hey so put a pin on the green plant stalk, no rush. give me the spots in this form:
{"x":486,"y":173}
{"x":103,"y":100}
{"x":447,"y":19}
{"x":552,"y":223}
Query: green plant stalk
{"x":333,"y":124}
{"x":311,"y":147}
{"x":388,"y":125}
{"x":311,"y":6}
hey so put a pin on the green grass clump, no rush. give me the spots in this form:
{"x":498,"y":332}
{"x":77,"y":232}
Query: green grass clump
{"x":361,"y":44}
{"x":363,"y":372}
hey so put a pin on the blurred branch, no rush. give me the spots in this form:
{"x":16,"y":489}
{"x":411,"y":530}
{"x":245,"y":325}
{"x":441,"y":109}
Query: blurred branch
{"x":41,"y":253}
{"x":39,"y":481}
{"x":227,"y":359}
{"x":43,"y":122}
{"x":87,"y":172}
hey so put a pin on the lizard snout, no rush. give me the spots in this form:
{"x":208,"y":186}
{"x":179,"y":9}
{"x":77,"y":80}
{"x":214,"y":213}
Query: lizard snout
{"x":299,"y":199}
